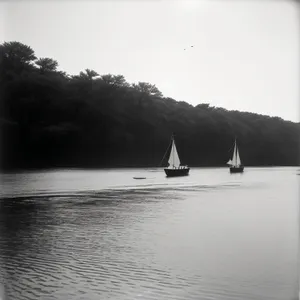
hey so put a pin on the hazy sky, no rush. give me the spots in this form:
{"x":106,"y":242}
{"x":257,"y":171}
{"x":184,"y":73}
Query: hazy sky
{"x":245,"y":54}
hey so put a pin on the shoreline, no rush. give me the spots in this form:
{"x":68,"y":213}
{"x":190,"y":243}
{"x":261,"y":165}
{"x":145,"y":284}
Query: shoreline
{"x":66,"y":168}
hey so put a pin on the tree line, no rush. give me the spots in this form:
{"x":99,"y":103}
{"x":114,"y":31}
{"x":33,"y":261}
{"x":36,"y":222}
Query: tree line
{"x":49,"y":118}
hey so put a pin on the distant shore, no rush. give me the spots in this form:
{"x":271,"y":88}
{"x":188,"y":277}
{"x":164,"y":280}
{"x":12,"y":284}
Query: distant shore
{"x":32,"y":169}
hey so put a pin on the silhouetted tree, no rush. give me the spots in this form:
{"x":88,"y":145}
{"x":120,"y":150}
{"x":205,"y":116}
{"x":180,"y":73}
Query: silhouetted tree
{"x":115,"y":80}
{"x":147,"y":88}
{"x":16,"y":51}
{"x":46,"y":64}
{"x":88,"y":74}
{"x":15,"y":58}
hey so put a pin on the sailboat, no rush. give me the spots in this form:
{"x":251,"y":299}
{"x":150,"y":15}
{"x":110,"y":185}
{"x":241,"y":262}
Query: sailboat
{"x":235,"y":163}
{"x":175,"y":168}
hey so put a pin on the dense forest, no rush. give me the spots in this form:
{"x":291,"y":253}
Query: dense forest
{"x":52,"y":119}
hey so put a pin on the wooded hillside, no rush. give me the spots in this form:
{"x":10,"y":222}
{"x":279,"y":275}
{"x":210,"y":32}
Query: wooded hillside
{"x":51,"y":119}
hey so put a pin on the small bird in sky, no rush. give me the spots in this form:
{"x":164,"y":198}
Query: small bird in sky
{"x":191,"y":47}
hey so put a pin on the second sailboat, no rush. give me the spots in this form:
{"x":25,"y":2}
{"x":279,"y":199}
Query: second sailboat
{"x":235,"y":163}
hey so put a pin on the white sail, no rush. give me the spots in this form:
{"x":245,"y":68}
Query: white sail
{"x":174,"y":161}
{"x":238,"y":160}
{"x":235,"y":161}
{"x":234,"y":155}
{"x":229,"y":162}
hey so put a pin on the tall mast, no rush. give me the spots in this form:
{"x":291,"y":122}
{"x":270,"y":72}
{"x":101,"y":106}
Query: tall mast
{"x":170,"y":144}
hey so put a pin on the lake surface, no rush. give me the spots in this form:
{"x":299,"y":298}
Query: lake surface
{"x":81,"y":234}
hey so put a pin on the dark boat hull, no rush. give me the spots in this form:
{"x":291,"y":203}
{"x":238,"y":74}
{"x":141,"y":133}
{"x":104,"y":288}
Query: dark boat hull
{"x":237,"y":169}
{"x":177,"y":172}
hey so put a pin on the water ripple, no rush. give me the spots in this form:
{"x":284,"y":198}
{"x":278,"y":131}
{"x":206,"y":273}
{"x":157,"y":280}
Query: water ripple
{"x":195,"y":239}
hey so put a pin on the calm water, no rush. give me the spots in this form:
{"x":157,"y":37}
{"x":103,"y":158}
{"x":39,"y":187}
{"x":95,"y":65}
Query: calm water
{"x":76,"y":234}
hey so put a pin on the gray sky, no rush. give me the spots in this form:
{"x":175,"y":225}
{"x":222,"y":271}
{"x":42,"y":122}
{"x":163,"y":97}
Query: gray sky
{"x":245,"y":54}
